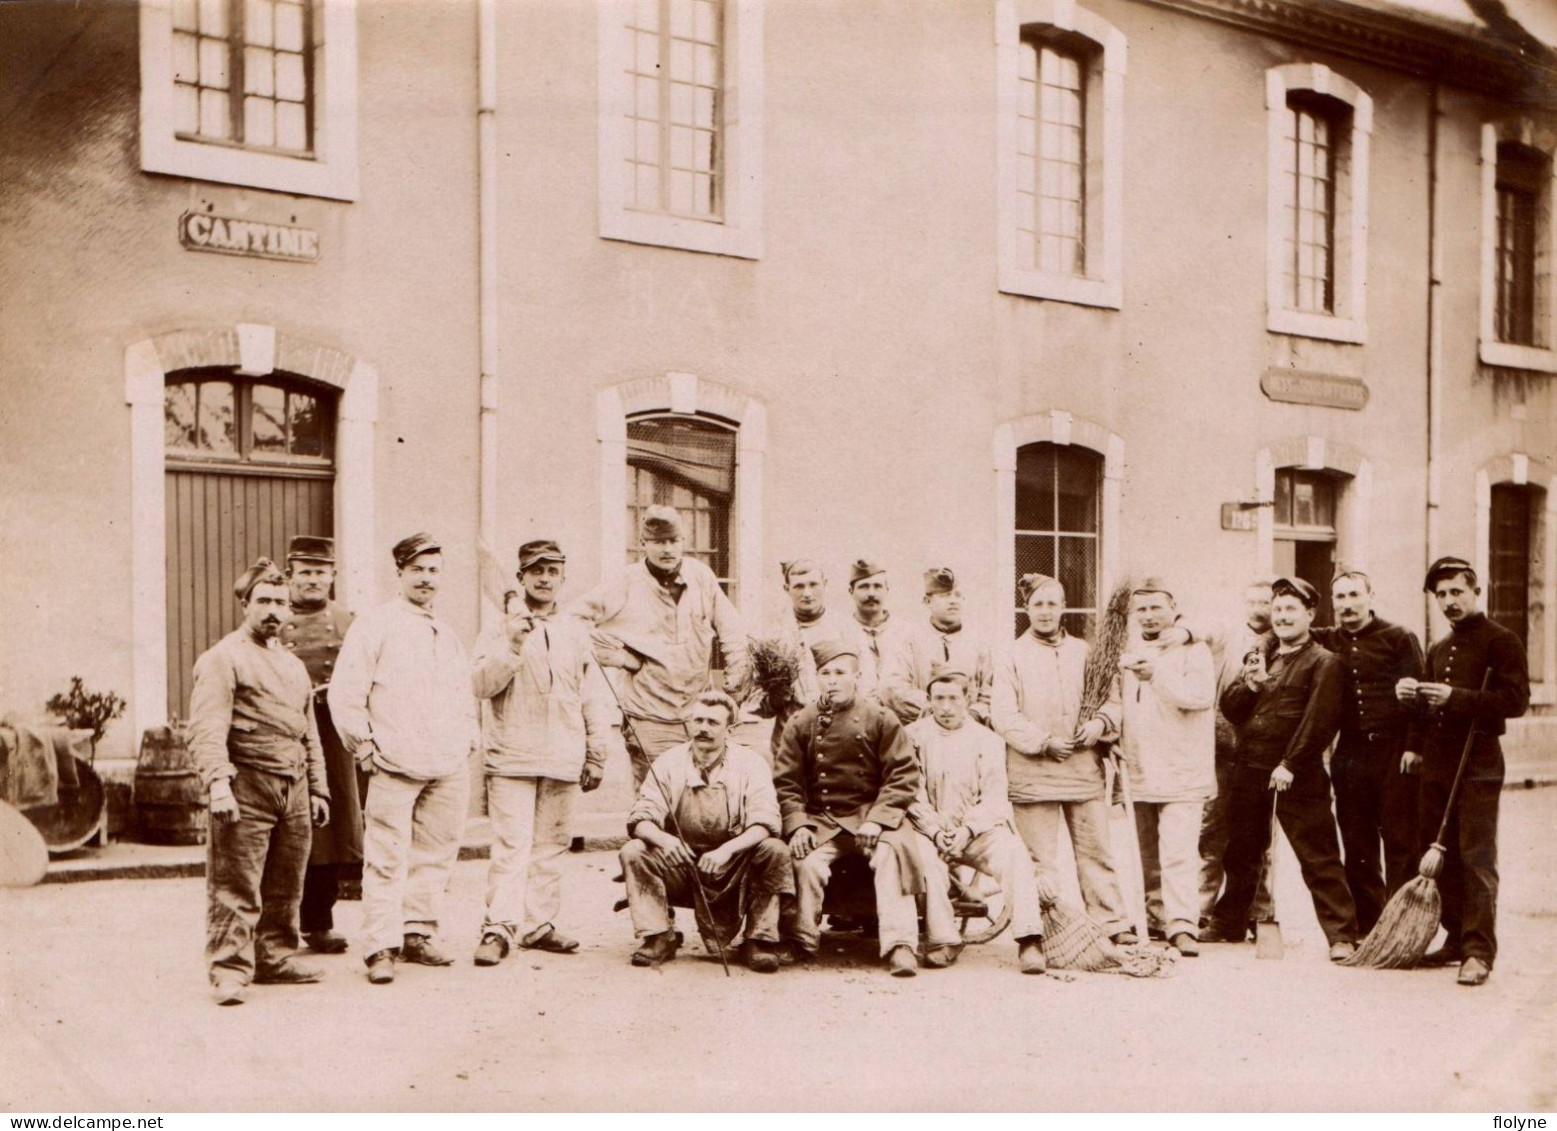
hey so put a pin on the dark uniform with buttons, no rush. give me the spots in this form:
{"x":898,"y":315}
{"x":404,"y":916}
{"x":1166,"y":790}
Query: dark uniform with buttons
{"x":1374,"y":801}
{"x":315,"y":636}
{"x":1469,"y":882}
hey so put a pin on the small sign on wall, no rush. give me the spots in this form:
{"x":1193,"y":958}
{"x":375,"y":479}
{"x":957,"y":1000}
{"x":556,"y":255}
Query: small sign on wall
{"x":1325,"y":389}
{"x":227,"y":235}
{"x":1238,"y":516}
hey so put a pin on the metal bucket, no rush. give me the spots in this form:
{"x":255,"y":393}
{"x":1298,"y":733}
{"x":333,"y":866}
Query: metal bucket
{"x":170,"y":799}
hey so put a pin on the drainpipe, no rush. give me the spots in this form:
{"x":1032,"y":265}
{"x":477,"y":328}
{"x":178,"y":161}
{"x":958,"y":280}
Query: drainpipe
{"x":486,"y":190}
{"x":1434,"y":348}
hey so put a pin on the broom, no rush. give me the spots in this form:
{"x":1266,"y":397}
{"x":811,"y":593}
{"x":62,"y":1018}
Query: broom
{"x":1410,"y":919}
{"x":1102,"y":667}
{"x":1074,"y":941}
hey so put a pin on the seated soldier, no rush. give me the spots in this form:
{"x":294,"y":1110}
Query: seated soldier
{"x":706,"y":812}
{"x":964,"y":807}
{"x":846,"y":775}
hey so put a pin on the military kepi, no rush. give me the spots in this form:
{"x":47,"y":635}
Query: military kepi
{"x":311,"y":548}
{"x":414,"y":546}
{"x":660,"y":524}
{"x":825,"y":652}
{"x":262,"y":570}
{"x":538,"y":551}
{"x":1447,"y":565}
{"x":1295,"y":587}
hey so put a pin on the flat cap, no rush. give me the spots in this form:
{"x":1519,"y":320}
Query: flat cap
{"x":825,"y":652}
{"x":1446,"y":565}
{"x":939,"y":579}
{"x":540,"y":550}
{"x":263,"y":570}
{"x":659,"y":524}
{"x":1295,"y":587}
{"x":863,"y":568}
{"x":311,"y":548}
{"x":417,"y":544}
{"x":1030,"y":583}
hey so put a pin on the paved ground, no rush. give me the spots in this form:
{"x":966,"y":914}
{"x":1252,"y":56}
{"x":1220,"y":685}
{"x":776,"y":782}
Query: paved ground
{"x":105,"y":1009}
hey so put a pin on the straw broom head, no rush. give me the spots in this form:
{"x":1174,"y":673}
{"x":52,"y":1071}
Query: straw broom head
{"x":1113,"y":633}
{"x":1405,"y":928}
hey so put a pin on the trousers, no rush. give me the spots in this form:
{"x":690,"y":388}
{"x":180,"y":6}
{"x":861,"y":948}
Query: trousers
{"x":1374,"y":804}
{"x":321,"y":884}
{"x":1469,"y":882}
{"x":254,"y":874}
{"x":1000,"y":854}
{"x":409,"y":850}
{"x":646,"y":740}
{"x":1087,"y":822}
{"x":529,"y":818}
{"x":896,"y":912}
{"x":1169,"y":832}
{"x":1304,"y":812}
{"x":1213,"y":846}
{"x":655,"y":885}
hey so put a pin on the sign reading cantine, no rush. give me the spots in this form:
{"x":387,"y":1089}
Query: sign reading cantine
{"x":202,"y":231}
{"x":1298,"y":387}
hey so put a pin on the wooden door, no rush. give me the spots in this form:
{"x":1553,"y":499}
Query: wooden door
{"x":249,"y":467}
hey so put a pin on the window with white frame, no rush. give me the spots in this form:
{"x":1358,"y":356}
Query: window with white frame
{"x":260,"y":93}
{"x":1061,"y":79}
{"x":680,"y":129}
{"x":1319,"y":124}
{"x":1518,"y":306}
{"x":1516,"y":567}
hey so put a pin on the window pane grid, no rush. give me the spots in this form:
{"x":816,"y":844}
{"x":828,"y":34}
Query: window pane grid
{"x":1508,"y":586}
{"x":677,"y":76}
{"x":1051,"y":166}
{"x":1520,"y":176}
{"x":688,"y":465}
{"x":241,"y":72}
{"x":217,"y":418}
{"x":1309,"y":165}
{"x":1058,"y":516}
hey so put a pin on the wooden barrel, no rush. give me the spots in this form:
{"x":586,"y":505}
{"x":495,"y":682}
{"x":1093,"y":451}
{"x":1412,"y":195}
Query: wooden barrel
{"x":170,"y":799}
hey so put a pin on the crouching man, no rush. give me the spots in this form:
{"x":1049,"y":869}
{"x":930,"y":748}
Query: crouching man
{"x":846,"y":775}
{"x":964,"y":807}
{"x":707,"y":815}
{"x":255,"y":742}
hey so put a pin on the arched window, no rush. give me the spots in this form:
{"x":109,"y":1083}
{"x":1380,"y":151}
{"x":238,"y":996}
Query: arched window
{"x":1059,"y":525}
{"x":688,"y":463}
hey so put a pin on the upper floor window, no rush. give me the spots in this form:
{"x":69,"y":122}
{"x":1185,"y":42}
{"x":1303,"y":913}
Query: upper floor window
{"x":259,"y":93}
{"x":1061,"y":76}
{"x":1319,"y":125}
{"x":680,"y":129}
{"x":1518,"y":307}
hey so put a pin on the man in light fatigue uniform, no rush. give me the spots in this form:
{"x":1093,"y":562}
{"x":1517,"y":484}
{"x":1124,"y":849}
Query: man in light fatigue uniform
{"x":657,"y":624}
{"x":256,"y":745}
{"x":550,"y":731}
{"x":807,"y":622}
{"x":870,"y":633}
{"x":940,"y":639}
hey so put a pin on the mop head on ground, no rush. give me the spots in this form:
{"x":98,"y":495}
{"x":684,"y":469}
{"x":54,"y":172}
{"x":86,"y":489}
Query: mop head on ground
{"x":1408,"y":922}
{"x":1113,"y":633}
{"x":775,"y":664}
{"x":1073,"y":941}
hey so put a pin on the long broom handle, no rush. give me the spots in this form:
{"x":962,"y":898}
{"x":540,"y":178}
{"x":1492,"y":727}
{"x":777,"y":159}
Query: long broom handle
{"x":1459,"y":774}
{"x":699,"y":896}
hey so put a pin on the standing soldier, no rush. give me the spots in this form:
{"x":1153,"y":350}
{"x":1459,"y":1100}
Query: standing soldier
{"x":658,"y":623}
{"x":256,"y":745}
{"x":1287,"y":708}
{"x":1053,"y":762}
{"x":806,"y":623}
{"x":402,"y":702}
{"x":1373,"y":769}
{"x":314,"y":635}
{"x":871,"y":633}
{"x":938,"y":640}
{"x":1168,"y":740}
{"x":550,"y":732}
{"x":1447,"y":709}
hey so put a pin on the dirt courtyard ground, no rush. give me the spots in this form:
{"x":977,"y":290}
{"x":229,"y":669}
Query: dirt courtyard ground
{"x":105,"y":1009}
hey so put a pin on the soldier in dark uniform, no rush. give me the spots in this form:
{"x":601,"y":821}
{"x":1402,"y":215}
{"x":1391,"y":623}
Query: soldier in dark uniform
{"x":845,"y":775}
{"x":314,"y":636}
{"x":1446,"y":707}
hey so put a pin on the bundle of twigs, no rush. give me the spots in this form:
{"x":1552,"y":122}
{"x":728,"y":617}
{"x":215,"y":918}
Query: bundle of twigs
{"x":775,"y":665}
{"x":1113,"y":633}
{"x":1073,"y":941}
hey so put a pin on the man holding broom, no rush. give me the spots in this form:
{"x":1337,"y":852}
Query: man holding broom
{"x":1477,"y":679}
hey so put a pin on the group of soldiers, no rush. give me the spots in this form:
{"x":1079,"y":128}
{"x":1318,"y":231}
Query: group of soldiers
{"x":907,"y":742}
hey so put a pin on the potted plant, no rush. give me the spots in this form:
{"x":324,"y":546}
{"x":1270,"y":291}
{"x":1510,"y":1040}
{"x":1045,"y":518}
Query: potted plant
{"x":81,"y":709}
